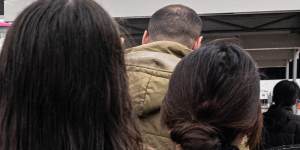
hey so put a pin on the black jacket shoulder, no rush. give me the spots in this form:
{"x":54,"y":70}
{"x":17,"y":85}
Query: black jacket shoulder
{"x":281,"y":127}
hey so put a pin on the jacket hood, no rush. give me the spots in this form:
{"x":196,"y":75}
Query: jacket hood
{"x":167,"y":47}
{"x":150,"y":67}
{"x":276,"y":117}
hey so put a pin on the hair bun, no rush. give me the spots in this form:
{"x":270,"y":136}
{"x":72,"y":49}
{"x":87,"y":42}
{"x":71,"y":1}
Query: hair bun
{"x":195,"y":136}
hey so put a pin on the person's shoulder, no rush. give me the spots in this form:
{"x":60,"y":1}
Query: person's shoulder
{"x":295,"y":118}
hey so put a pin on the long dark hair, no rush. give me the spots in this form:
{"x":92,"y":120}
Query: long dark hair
{"x":213,"y":97}
{"x":63,"y":81}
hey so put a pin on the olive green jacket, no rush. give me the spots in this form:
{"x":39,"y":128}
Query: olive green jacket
{"x":149,"y":68}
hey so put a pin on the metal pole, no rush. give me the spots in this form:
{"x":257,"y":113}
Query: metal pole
{"x":295,"y":65}
{"x":287,"y":70}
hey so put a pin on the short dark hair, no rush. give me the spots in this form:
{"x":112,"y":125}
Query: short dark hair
{"x":285,"y":93}
{"x":63,"y":82}
{"x":176,"y":23}
{"x":213,"y":97}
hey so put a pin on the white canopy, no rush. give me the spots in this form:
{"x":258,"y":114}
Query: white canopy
{"x":131,"y":8}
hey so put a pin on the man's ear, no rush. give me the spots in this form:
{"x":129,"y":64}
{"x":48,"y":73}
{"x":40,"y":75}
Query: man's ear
{"x":197,"y":43}
{"x":146,"y":38}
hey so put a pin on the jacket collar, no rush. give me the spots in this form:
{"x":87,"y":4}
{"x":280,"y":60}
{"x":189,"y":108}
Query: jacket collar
{"x":283,"y":109}
{"x":167,"y":47}
{"x":280,"y":113}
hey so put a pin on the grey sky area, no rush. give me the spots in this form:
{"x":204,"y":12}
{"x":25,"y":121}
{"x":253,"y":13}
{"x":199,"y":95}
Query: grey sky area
{"x":130,"y":8}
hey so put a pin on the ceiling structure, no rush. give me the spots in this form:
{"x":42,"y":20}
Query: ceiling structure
{"x":261,"y":33}
{"x":269,"y":31}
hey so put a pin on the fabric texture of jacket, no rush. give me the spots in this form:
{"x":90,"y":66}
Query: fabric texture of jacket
{"x":281,"y":127}
{"x":286,"y":147}
{"x":149,"y":68}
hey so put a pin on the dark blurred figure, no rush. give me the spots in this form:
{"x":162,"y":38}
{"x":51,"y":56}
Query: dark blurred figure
{"x":285,"y":147}
{"x":213,"y":100}
{"x":281,"y":126}
{"x":172,"y":33}
{"x":126,"y":39}
{"x":2,"y":7}
{"x":63,"y":81}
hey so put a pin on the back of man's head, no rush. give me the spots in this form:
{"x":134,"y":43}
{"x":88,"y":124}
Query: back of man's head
{"x":175,"y":23}
{"x":285,"y":93}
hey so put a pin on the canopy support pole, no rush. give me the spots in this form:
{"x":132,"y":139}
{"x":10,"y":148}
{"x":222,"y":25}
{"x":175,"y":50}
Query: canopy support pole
{"x":287,"y":70}
{"x":295,"y":65}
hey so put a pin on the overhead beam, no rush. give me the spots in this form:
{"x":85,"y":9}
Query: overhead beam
{"x":260,"y":39}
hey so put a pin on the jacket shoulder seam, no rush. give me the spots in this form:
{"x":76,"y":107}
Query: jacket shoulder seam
{"x":149,"y":68}
{"x":146,"y":89}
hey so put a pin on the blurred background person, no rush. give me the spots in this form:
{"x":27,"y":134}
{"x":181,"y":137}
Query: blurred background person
{"x":63,"y":81}
{"x":281,"y":126}
{"x":213,"y":100}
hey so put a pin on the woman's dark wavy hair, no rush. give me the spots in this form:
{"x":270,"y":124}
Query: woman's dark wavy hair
{"x":63,"y":81}
{"x":212,"y":98}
